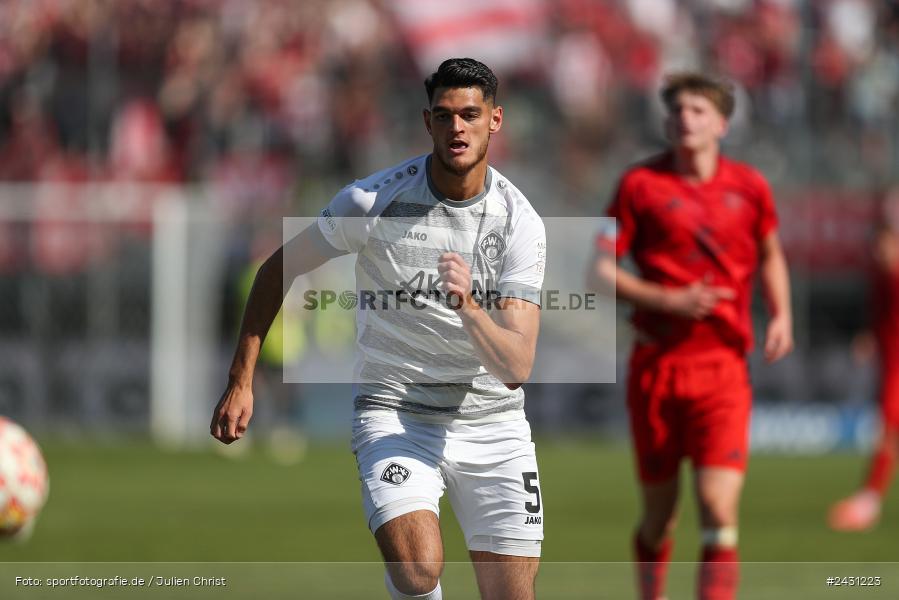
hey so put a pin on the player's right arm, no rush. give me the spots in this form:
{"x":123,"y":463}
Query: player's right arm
{"x":605,"y":275}
{"x":694,"y":301}
{"x":332,"y":236}
{"x":308,"y":250}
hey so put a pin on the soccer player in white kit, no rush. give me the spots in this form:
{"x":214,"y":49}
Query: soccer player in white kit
{"x":450,"y":260}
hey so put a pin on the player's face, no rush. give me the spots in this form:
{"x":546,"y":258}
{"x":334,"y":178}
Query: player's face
{"x":461,"y":122}
{"x":694,"y":123}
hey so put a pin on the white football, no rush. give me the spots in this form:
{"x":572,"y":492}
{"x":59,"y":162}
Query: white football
{"x":23,"y":479}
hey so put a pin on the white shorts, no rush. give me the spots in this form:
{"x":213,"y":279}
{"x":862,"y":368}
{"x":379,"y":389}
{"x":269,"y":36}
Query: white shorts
{"x":488,"y":469}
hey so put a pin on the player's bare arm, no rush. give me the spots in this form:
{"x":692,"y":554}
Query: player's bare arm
{"x":776,"y":288}
{"x":308,"y":250}
{"x":506,"y":346}
{"x":693,"y":301}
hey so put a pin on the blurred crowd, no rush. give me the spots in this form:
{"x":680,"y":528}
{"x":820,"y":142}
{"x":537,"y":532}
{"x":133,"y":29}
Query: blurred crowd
{"x":269,"y":100}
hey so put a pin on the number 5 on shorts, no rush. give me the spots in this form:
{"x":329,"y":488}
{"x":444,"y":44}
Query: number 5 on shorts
{"x":531,"y":487}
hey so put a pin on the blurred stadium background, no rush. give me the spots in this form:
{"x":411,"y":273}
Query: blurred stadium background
{"x":150,"y":148}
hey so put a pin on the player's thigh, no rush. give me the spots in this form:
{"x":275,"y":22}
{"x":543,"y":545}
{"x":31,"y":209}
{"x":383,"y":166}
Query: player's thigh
{"x":503,"y":577}
{"x":398,"y":469}
{"x":494,"y":489}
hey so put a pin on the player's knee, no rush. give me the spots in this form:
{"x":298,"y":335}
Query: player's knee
{"x":717,"y":513}
{"x":718,"y":508}
{"x":720,"y":537}
{"x":656,"y":529}
{"x":414,"y":578}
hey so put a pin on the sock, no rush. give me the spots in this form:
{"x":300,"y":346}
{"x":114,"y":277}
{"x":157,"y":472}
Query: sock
{"x":435,"y":594}
{"x":652,"y":567}
{"x":719,"y":573}
{"x":881,"y":469}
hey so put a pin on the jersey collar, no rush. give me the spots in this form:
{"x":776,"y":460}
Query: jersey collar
{"x":488,"y":180}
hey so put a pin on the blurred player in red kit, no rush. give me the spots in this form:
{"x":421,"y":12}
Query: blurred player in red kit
{"x":698,"y":226}
{"x":861,"y":511}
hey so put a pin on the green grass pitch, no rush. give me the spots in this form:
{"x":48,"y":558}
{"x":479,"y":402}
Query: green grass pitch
{"x":298,"y":531}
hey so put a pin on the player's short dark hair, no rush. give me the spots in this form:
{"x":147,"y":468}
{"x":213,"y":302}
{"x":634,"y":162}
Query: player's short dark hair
{"x":719,"y":91}
{"x":463,"y":72}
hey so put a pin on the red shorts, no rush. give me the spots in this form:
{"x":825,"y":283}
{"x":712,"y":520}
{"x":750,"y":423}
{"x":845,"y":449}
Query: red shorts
{"x":695,"y":405}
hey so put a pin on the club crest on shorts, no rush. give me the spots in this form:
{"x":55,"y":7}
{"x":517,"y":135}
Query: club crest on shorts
{"x":492,"y":246}
{"x":395,"y":474}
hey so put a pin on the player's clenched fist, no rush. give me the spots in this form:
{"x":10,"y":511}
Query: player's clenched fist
{"x":232,"y":414}
{"x":456,"y":277}
{"x":696,"y":300}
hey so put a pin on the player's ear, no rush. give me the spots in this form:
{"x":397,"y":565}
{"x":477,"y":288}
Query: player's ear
{"x":723,"y":126}
{"x":496,"y":119}
{"x":426,"y":114}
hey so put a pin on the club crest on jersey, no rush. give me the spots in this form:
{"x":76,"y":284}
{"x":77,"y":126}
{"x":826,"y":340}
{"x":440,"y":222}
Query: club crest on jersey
{"x":395,"y":474}
{"x":492,"y":246}
{"x":733,"y":200}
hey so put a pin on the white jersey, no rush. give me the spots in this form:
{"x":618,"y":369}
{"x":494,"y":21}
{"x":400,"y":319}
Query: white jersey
{"x":413,"y":354}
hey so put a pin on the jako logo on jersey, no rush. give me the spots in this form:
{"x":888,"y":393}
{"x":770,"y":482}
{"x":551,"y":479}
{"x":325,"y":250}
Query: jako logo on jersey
{"x":529,"y":520}
{"x":412,"y":170}
{"x":415,"y":235}
{"x":395,"y":474}
{"x":329,"y":219}
{"x":492,"y":246}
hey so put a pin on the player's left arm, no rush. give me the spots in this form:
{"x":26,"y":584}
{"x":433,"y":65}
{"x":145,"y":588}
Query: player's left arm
{"x":776,"y":289}
{"x":506,"y":345}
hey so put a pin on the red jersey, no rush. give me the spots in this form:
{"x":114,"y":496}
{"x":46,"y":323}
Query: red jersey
{"x":680,"y":232}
